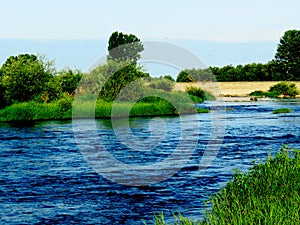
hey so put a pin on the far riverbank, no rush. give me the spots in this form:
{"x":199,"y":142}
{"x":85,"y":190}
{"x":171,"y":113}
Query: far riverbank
{"x":232,"y":89}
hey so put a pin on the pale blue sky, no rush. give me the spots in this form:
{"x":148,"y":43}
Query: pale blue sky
{"x":221,"y":20}
{"x":227,"y":30}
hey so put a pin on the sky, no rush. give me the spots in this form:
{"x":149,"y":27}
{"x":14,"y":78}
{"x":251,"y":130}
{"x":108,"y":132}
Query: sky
{"x":249,"y":29}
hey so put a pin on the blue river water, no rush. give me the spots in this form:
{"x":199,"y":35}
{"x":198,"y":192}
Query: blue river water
{"x":45,"y":178}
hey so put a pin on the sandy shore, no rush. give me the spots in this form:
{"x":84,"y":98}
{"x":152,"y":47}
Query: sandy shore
{"x":232,"y":89}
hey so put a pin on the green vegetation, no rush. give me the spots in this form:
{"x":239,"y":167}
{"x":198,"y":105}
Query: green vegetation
{"x":287,"y":58}
{"x":198,"y":95}
{"x":22,"y":78}
{"x":124,"y":47}
{"x":285,"y":66}
{"x":121,"y":68}
{"x":282,"y":110}
{"x":30,"y":78}
{"x":267,"y":194}
{"x":169,"y":77}
{"x":284,"y":89}
{"x":31,"y":88}
{"x":192,"y":75}
{"x":264,"y":94}
{"x":162,"y":84}
{"x":62,"y":109}
{"x":184,"y":76}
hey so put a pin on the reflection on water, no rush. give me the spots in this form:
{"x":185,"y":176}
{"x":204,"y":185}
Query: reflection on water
{"x":45,"y":179}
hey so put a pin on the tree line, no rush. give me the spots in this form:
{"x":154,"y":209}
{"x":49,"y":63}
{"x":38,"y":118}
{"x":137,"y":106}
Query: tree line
{"x":29,"y":77}
{"x":284,"y":67}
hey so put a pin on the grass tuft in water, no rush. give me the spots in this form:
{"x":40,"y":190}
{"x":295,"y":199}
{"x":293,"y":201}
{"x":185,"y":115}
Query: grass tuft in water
{"x":282,"y":110}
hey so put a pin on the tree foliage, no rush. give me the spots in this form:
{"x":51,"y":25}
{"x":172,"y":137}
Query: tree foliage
{"x":119,"y":80}
{"x":285,"y":66}
{"x":123,"y":47}
{"x":184,"y":76}
{"x":162,"y":84}
{"x":285,"y":89}
{"x":288,"y":54}
{"x":69,"y":80}
{"x":169,"y":77}
{"x":121,"y":68}
{"x":22,"y":78}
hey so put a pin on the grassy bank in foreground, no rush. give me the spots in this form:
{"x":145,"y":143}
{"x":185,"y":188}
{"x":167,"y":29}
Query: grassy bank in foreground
{"x":30,"y":111}
{"x":269,"y":193}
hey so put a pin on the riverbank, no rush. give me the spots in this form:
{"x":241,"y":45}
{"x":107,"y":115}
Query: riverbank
{"x":33,"y":111}
{"x":257,"y":197}
{"x":226,"y":90}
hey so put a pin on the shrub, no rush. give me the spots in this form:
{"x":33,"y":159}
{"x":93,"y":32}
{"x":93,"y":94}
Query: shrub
{"x":184,"y":76}
{"x":199,"y":95}
{"x":132,"y":92}
{"x":285,"y":89}
{"x":119,"y":76}
{"x":23,"y":77}
{"x":162,"y":83}
{"x":65,"y":103}
{"x":169,"y":77}
{"x":258,"y":93}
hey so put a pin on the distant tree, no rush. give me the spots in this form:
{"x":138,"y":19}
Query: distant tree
{"x":123,"y":47}
{"x":184,"y":76}
{"x":169,"y":77}
{"x":23,"y":77}
{"x":288,"y":55}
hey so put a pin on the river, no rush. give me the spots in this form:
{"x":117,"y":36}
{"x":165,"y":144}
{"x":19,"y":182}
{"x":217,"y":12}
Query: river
{"x":46,"y":179}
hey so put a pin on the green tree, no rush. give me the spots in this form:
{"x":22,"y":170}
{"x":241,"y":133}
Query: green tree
{"x":120,"y":80}
{"x":52,"y":91}
{"x":184,"y":76}
{"x":123,"y":47}
{"x":288,"y":55}
{"x":22,"y":77}
{"x":69,"y":80}
{"x":121,"y":68}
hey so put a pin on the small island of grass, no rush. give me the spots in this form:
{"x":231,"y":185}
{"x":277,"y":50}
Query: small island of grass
{"x":282,"y":110}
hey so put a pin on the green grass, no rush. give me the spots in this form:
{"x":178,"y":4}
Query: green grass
{"x":28,"y":111}
{"x":62,"y":109}
{"x":269,"y":193}
{"x":270,"y":94}
{"x":282,"y":110}
{"x":198,"y":95}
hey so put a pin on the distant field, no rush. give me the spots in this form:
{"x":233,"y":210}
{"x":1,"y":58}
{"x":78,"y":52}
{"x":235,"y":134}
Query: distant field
{"x":234,"y":89}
